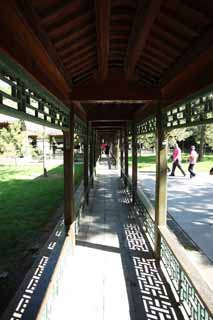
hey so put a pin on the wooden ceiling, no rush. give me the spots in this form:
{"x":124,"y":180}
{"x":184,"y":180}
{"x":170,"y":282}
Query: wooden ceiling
{"x":124,"y":50}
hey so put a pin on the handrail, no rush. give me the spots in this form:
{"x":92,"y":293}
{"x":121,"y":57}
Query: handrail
{"x":193,"y":293}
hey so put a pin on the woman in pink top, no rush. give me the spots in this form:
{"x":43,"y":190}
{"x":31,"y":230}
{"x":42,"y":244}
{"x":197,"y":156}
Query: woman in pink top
{"x":177,"y":160}
{"x":192,"y":161}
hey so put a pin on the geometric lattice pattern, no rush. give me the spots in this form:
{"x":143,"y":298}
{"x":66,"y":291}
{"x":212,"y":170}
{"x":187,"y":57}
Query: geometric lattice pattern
{"x":80,"y":127}
{"x":191,"y":301}
{"x":171,"y":264}
{"x":186,"y":292}
{"x":153,"y":291}
{"x":147,"y":126}
{"x":135,"y":238}
{"x":34,"y":280}
{"x":193,"y":112}
{"x":21,"y":96}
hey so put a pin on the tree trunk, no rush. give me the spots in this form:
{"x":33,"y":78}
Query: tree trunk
{"x":202,"y":142}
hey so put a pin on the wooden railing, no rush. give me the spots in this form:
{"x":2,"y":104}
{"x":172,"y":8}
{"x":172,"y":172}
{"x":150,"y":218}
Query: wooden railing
{"x":190,"y":290}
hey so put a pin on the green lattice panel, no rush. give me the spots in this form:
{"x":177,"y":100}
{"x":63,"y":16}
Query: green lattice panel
{"x":23,"y":97}
{"x":195,"y":111}
{"x":147,"y":127}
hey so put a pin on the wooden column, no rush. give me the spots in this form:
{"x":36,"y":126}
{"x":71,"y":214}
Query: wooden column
{"x":121,"y":151}
{"x":69,"y":212}
{"x":91,"y":156}
{"x":134,"y":162}
{"x":95,"y":152}
{"x":126,"y":152}
{"x":161,"y":182}
{"x":117,"y":150}
{"x":86,"y":165}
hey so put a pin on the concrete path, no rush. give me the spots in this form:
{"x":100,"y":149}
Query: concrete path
{"x":190,"y":203}
{"x":113,"y":274}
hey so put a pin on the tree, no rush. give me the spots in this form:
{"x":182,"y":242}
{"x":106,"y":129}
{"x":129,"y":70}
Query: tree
{"x":180,"y":134}
{"x":202,"y":141}
{"x":209,"y":135}
{"x":147,"y":140}
{"x":12,"y":140}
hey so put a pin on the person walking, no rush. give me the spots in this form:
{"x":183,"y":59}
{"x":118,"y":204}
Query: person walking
{"x":192,"y":161}
{"x":177,"y":160}
{"x":107,"y":152}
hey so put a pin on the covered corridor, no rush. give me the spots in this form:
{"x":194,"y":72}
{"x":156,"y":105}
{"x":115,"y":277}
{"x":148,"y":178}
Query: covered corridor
{"x":113,"y":271}
{"x":109,"y":71}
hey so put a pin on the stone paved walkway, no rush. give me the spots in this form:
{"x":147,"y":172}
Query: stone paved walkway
{"x":113,"y":274}
{"x":190,"y":204}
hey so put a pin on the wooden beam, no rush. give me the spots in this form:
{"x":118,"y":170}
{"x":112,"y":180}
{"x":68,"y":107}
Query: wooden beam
{"x":134,"y":162}
{"x":32,"y":22}
{"x":69,"y":207}
{"x":190,"y":56}
{"x":109,"y":116}
{"x":86,"y":165}
{"x":58,"y":30}
{"x":126,"y":154}
{"x":102,"y":29}
{"x":86,"y":42}
{"x":108,"y":124}
{"x":82,"y":67}
{"x":76,"y":64}
{"x":84,"y":52}
{"x":142,"y":26}
{"x":60,"y":12}
{"x":121,"y":151}
{"x":114,"y":91}
{"x":161,"y":183}
{"x":69,"y":38}
{"x":20,"y":42}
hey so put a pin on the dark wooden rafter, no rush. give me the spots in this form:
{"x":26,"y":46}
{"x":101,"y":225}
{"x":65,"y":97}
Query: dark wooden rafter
{"x":60,"y":12}
{"x":172,"y":21}
{"x":102,"y":9}
{"x":78,"y":45}
{"x":77,"y":55}
{"x":203,"y":44}
{"x":142,"y":27}
{"x":162,"y":32}
{"x":82,"y":67}
{"x":80,"y":62}
{"x":28,"y":13}
{"x":101,"y":92}
{"x":58,"y":30}
{"x":71,"y":37}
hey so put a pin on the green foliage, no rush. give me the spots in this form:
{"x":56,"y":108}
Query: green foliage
{"x":180,"y":134}
{"x":147,"y":140}
{"x":209,"y":135}
{"x":12,"y":140}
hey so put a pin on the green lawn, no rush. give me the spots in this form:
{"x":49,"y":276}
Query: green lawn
{"x":147,"y":163}
{"x":28,"y":214}
{"x":27,"y":203}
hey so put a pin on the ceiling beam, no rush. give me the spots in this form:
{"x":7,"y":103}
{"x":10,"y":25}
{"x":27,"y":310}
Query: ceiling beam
{"x":143,"y":23}
{"x":102,"y":9}
{"x":27,"y":13}
{"x":60,"y":12}
{"x":190,"y":56}
{"x":106,"y":115}
{"x":108,"y":124}
{"x":119,"y":91}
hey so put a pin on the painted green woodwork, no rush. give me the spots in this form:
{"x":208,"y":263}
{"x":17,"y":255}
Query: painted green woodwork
{"x":23,"y":97}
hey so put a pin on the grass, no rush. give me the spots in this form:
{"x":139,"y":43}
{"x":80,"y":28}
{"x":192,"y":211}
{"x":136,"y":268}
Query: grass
{"x":147,"y":163}
{"x":28,"y":213}
{"x":27,"y":203}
